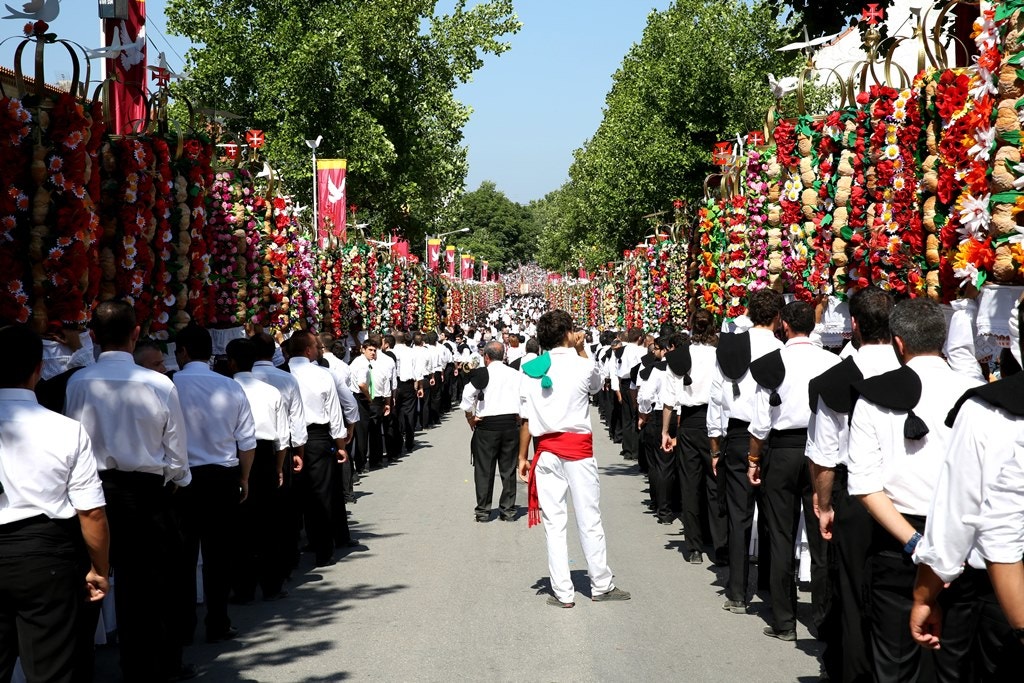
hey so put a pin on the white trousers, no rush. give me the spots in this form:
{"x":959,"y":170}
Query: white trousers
{"x":556,"y":479}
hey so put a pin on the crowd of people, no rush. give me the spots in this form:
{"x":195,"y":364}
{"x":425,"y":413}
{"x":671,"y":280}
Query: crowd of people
{"x":897,"y":458}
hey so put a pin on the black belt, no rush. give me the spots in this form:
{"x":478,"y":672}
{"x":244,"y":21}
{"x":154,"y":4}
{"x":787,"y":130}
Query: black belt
{"x":735,"y":424}
{"x":136,"y":479}
{"x":786,"y":433}
{"x":39,"y":535}
{"x":319,"y":429}
{"x":689,"y":411}
{"x":403,"y":382}
{"x":498,"y":423}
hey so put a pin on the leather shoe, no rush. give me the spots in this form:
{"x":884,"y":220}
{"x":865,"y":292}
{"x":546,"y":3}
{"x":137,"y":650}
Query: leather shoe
{"x":695,"y":557}
{"x":230,"y":633}
{"x":735,"y":606}
{"x":788,"y":636}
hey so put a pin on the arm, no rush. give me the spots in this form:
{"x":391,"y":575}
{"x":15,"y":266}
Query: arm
{"x":754,"y":461}
{"x":823,"y":478}
{"x":716,"y":409}
{"x":959,"y":349}
{"x":667,"y":442}
{"x":176,"y":468}
{"x":524,"y":451}
{"x":245,"y":440}
{"x":926,"y":615}
{"x":245,"y":459}
{"x":1008,"y":582}
{"x":886,"y":514}
{"x":97,"y":540}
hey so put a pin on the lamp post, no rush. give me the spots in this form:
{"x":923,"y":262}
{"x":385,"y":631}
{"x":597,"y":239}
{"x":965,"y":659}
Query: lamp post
{"x":313,"y":144}
{"x":426,"y":243}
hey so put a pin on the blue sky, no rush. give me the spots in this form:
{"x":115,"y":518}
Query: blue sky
{"x":532,"y":105}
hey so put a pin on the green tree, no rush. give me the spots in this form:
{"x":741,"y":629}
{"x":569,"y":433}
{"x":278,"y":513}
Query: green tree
{"x":499,"y":227}
{"x":699,"y":75}
{"x":374,"y":77}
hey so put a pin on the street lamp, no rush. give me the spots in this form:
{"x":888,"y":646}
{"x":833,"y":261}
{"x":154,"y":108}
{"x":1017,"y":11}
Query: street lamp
{"x":426,"y":242}
{"x":313,"y":144}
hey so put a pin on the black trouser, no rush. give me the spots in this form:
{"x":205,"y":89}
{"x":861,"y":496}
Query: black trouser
{"x":41,"y":597}
{"x":148,"y":561}
{"x":369,"y":437}
{"x":614,"y":417}
{"x":889,"y":577}
{"x":434,"y":404}
{"x":495,"y":446}
{"x":317,"y":490}
{"x":699,"y":485}
{"x":664,"y":479}
{"x":209,"y":512}
{"x":851,"y":537}
{"x":447,"y":388}
{"x":392,"y":439}
{"x":263,"y":554}
{"x":739,"y":502}
{"x":405,"y":407}
{"x":786,"y":482}
{"x":423,"y":407}
{"x":630,"y":433}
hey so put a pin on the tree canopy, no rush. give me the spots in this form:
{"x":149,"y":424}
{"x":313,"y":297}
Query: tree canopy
{"x":502,"y":232}
{"x":374,"y":77}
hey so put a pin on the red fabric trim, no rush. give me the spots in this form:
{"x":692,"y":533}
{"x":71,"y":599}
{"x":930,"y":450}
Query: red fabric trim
{"x":565,"y":445}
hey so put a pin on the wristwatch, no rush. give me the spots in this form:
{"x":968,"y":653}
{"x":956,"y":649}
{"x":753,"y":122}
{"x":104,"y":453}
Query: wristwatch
{"x":716,"y":454}
{"x":912,"y":543}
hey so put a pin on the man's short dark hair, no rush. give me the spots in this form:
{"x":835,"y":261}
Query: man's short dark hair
{"x":533,"y":346}
{"x":764,"y":305}
{"x":799,"y":315}
{"x":113,"y":323}
{"x":431,"y":338}
{"x":22,"y":351}
{"x":634,"y":334}
{"x":606,"y":337}
{"x":389,"y":339}
{"x":243,"y":353}
{"x":196,"y":341}
{"x":301,"y":342}
{"x":417,"y":338}
{"x":552,"y":328}
{"x":372,"y":340}
{"x":921,"y":324}
{"x":263,"y":343}
{"x":495,"y":351}
{"x":871,"y":308}
{"x":667,"y":330}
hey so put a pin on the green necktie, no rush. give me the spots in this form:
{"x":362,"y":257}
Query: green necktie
{"x":369,"y":381}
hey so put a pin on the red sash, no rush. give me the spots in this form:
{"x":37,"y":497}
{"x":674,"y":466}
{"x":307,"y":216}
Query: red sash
{"x":565,"y":445}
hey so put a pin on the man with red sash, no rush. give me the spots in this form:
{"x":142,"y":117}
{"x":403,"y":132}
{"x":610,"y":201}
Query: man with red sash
{"x":555,"y":407}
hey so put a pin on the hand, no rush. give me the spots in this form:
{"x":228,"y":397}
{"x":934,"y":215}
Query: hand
{"x":342,"y":456}
{"x":456,"y":372}
{"x":431,"y":381}
{"x":296,"y":463}
{"x":243,"y":484}
{"x":387,"y":409}
{"x":96,"y":585}
{"x":524,"y":470}
{"x":280,"y":479}
{"x":419,"y":393}
{"x":473,"y":421}
{"x":926,"y":624}
{"x":825,"y":520}
{"x":754,"y":474}
{"x":714,"y":464}
{"x":667,"y":443}
{"x":641,"y":422}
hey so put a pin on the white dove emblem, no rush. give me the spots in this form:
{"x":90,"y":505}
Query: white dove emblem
{"x":782,"y":88}
{"x":131,"y":50}
{"x":334,"y":193}
{"x":36,"y":10}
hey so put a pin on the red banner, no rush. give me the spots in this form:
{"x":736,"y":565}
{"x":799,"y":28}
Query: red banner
{"x":583,"y":273}
{"x":128,"y":67}
{"x":468,"y":266}
{"x":399,"y":247}
{"x":433,"y":255}
{"x":330,"y":199}
{"x":483,"y":272}
{"x":449,"y":255}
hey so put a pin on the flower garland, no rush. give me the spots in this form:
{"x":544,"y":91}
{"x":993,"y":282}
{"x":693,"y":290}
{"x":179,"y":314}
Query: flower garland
{"x":791,"y":211}
{"x":849,"y":218}
{"x":193,"y":193}
{"x":758,"y":187}
{"x":735,"y":265}
{"x":707,"y":291}
{"x":305,"y":310}
{"x":15,"y":153}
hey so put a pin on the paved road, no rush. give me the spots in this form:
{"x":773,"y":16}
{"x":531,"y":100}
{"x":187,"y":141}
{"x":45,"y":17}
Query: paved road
{"x":439,"y":597}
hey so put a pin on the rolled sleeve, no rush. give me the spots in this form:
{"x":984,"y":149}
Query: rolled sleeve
{"x":245,"y":429}
{"x":825,"y":434}
{"x":1000,"y":524}
{"x":866,"y":466}
{"x":959,"y":349}
{"x":85,"y":491}
{"x":297,"y":420}
{"x":176,"y":468}
{"x":468,"y":403}
{"x":716,"y":410}
{"x":761,"y":424}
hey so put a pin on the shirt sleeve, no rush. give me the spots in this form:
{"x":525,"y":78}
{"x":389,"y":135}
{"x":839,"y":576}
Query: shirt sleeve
{"x":824,"y":433}
{"x":85,"y":491}
{"x":469,"y":398}
{"x":716,"y":412}
{"x":646,"y":395}
{"x":175,"y":443}
{"x":866,"y":464}
{"x":1015,"y":335}
{"x":947,"y":540}
{"x":959,"y":349}
{"x":283,"y":430}
{"x":297,"y":419}
{"x":761,"y":421}
{"x":667,"y":391}
{"x":1000,"y":524}
{"x":595,"y":380}
{"x":334,"y":415}
{"x":349,"y":405}
{"x":245,"y":429}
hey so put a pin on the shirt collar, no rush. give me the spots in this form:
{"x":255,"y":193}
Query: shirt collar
{"x":927,"y":363}
{"x":26,"y":395}
{"x":115,"y":357}
{"x":797,"y":341}
{"x":263,"y":364}
{"x":245,"y":375}
{"x":879,"y":350}
{"x":197,"y":366}
{"x":298,"y":360}
{"x":562,"y":351}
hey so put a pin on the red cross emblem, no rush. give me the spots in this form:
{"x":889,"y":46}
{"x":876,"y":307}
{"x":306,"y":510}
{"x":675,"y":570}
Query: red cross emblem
{"x":255,"y":138}
{"x":720,"y":156}
{"x":231,"y":149}
{"x":755,"y":138}
{"x":871,"y":14}
{"x":162,"y":76}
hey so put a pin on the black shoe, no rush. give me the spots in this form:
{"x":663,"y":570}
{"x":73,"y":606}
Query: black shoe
{"x":665,"y":521}
{"x":325,"y":562}
{"x":274,"y":597}
{"x":241,"y":599}
{"x":508,"y":518}
{"x":788,"y":636}
{"x":230,"y":633}
{"x":735,"y":606}
{"x":695,"y":557}
{"x":480,"y":518}
{"x":185,"y":672}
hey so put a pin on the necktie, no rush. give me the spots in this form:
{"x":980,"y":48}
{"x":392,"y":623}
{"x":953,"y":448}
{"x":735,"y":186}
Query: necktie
{"x":369,"y":381}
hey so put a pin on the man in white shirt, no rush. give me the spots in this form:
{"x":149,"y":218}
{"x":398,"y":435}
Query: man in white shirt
{"x":410,"y":371}
{"x":426,"y":361}
{"x":988,"y":427}
{"x":387,"y":362}
{"x":263,"y":553}
{"x":48,"y":484}
{"x":778,"y":430}
{"x":491,"y":402}
{"x":555,"y":407}
{"x":661,"y":466}
{"x":898,"y":442}
{"x":632,"y":351}
{"x":436,"y":360}
{"x":843,"y":521}
{"x":134,"y":420}
{"x":221,"y":446}
{"x":371,"y":384}
{"x":325,"y":446}
{"x":730,"y":410}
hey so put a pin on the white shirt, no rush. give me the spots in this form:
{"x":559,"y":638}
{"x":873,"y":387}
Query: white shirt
{"x":565,"y":407}
{"x":648,"y":395}
{"x":631,"y":356}
{"x":217,"y":414}
{"x":386,"y":365}
{"x":983,"y":442}
{"x":268,"y":412}
{"x":959,"y":348}
{"x":501,"y":395}
{"x":828,"y":433}
{"x":436,"y":356}
{"x":342,"y":374}
{"x":527,"y":357}
{"x":288,"y":386}
{"x":319,"y":396}
{"x":1000,"y":523}
{"x":880,"y":459}
{"x":362,"y":369}
{"x":722,"y":405}
{"x":512,"y":353}
{"x":46,"y":462}
{"x":804,"y":360}
{"x":410,"y":363}
{"x":132,"y":415}
{"x":675,"y":392}
{"x":426,"y":360}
